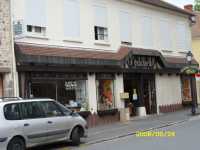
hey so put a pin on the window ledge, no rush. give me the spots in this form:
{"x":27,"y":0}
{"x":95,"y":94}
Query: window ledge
{"x":73,"y":40}
{"x":37,"y":37}
{"x":102,"y":43}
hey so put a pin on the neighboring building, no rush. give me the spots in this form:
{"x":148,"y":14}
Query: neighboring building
{"x":7,"y":60}
{"x":90,"y":52}
{"x":196,"y":43}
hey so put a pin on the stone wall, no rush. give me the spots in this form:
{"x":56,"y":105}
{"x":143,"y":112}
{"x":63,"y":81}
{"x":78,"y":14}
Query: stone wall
{"x":6,"y":51}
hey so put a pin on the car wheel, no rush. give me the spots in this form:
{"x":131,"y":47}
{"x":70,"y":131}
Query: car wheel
{"x":16,"y":144}
{"x":75,"y":136}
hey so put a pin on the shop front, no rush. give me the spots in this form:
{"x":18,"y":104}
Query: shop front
{"x":70,"y":89}
{"x":104,"y":83}
{"x":188,"y":84}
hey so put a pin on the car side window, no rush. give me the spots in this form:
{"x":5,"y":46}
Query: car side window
{"x":51,"y":109}
{"x":31,"y":110}
{"x":11,"y":112}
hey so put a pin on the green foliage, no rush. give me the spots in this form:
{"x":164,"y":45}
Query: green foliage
{"x":197,"y":5}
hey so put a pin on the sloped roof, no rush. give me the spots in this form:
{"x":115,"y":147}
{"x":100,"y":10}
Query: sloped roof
{"x":25,"y":53}
{"x":166,"y":5}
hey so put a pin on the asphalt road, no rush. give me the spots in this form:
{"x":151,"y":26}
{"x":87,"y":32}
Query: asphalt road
{"x":187,"y":138}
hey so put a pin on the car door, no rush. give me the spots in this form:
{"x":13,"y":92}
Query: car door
{"x":59,"y":123}
{"x":34,"y":123}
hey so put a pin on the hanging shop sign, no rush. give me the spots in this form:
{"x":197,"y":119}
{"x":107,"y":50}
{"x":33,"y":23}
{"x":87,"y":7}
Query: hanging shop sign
{"x":190,"y":70}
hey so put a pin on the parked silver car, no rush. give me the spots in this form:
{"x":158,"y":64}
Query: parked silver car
{"x":33,"y":122}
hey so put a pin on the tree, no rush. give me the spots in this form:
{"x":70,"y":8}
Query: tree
{"x":197,"y":5}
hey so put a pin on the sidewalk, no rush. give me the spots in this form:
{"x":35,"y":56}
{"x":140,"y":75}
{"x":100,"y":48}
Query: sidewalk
{"x":113,"y":131}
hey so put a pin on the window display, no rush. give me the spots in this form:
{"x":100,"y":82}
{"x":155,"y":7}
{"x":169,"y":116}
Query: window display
{"x":105,"y":94}
{"x":73,"y":93}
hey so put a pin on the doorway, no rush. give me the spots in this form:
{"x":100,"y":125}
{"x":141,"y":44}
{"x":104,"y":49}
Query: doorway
{"x":141,"y":89}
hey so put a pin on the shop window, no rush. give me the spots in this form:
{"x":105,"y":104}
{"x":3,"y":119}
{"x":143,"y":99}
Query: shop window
{"x":105,"y":94}
{"x":186,"y":90}
{"x":73,"y":94}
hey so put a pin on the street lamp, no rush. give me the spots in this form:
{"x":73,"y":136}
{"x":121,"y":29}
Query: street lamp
{"x":189,"y":57}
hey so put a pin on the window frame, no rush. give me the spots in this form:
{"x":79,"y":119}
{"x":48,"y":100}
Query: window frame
{"x":98,"y":35}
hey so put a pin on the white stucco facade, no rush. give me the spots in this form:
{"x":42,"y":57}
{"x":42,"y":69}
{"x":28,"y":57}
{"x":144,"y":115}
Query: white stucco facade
{"x":168,"y":90}
{"x":54,"y":18}
{"x":151,"y":27}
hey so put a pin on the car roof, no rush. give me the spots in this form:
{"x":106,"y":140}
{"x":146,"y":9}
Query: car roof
{"x":12,"y":100}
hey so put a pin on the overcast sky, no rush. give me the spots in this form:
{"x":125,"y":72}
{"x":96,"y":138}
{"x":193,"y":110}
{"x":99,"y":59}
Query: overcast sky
{"x":181,"y":3}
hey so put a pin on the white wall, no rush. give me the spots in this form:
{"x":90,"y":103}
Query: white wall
{"x":55,"y":25}
{"x":92,"y":96}
{"x":119,"y":88}
{"x":168,"y":90}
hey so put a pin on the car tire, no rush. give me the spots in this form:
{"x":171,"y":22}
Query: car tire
{"x":75,"y":137}
{"x":16,"y":144}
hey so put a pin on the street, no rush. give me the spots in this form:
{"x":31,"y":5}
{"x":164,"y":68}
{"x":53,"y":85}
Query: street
{"x":187,"y":137}
{"x":186,"y":129}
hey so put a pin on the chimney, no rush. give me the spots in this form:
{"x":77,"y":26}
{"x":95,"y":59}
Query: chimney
{"x":189,"y":7}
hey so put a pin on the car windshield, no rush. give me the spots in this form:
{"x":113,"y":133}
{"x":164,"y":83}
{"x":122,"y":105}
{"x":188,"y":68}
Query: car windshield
{"x":65,"y":110}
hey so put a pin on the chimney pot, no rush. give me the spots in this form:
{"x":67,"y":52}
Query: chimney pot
{"x":189,"y":7}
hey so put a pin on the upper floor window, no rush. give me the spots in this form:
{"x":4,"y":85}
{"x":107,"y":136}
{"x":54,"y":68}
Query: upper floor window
{"x":36,"y":13}
{"x":165,"y":34}
{"x":36,"y":30}
{"x":147,"y":31}
{"x":72,"y":18}
{"x":125,"y":27}
{"x":100,"y":27}
{"x":101,"y":33}
{"x":181,"y":33}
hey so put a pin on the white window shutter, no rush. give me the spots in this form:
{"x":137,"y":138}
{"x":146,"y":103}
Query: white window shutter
{"x":181,"y":36}
{"x":165,"y":35}
{"x":100,"y":16}
{"x":36,"y":13}
{"x":147,"y":30}
{"x":72,"y":18}
{"x":125,"y":26}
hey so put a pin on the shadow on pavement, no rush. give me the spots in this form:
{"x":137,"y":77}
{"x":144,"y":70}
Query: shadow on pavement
{"x":56,"y":146}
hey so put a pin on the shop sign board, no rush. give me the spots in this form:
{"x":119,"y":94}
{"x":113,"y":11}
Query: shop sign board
{"x":190,"y":70}
{"x":124,"y":95}
{"x":70,"y":85}
{"x":148,"y":62}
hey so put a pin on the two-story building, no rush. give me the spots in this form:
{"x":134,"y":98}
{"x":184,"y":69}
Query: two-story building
{"x":8,"y":84}
{"x":104,"y":54}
